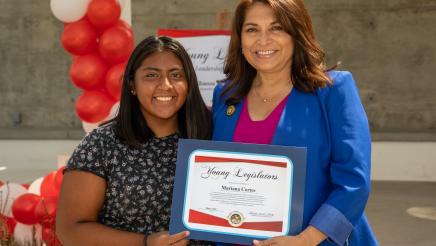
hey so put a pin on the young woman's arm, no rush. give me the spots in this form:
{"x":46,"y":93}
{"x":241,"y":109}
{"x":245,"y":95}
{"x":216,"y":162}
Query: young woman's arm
{"x":80,"y":201}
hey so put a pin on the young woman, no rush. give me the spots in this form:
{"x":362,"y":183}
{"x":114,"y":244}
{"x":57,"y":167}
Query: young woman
{"x":278,"y":91}
{"x":117,"y":186}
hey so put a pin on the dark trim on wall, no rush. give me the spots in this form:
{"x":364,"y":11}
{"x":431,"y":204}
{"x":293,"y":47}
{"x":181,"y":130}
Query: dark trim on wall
{"x":404,"y":136}
{"x":73,"y":134}
{"x":40,"y":134}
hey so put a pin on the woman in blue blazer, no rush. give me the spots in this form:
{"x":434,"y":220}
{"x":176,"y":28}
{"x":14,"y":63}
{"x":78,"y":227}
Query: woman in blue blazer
{"x":275,"y":67}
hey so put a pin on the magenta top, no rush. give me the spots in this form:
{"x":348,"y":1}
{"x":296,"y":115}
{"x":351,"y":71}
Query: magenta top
{"x":257,"y":132}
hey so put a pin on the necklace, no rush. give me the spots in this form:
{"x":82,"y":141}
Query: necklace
{"x":264,"y":99}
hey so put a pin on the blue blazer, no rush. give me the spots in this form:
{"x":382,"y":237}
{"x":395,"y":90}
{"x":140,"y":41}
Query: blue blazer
{"x":331,"y":123}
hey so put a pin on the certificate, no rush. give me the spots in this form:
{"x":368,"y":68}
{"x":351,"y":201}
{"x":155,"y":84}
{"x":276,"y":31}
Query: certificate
{"x":234,"y":193}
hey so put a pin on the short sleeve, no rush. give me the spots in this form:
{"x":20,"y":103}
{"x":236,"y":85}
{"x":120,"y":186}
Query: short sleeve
{"x":89,"y":155}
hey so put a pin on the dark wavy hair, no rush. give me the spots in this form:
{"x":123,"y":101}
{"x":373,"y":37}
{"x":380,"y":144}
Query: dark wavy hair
{"x":308,"y":71}
{"x":194,"y":118}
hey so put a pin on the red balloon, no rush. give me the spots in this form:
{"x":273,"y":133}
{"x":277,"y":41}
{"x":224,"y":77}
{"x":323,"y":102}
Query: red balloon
{"x":45,"y":211}
{"x":115,"y":45}
{"x":103,"y":13}
{"x":93,"y":106}
{"x":7,"y":227}
{"x":125,"y":25}
{"x":114,"y":80}
{"x":59,"y":177}
{"x":88,"y":72}
{"x":48,"y":187}
{"x":79,"y":38}
{"x":49,"y":237}
{"x":74,"y":57}
{"x":23,"y":208}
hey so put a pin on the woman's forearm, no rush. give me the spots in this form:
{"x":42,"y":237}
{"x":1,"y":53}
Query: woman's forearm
{"x":313,"y":235}
{"x":96,"y":234}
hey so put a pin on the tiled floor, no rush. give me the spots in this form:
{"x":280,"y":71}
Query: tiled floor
{"x":386,"y":208}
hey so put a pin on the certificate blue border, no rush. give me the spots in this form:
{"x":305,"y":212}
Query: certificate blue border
{"x":232,"y":152}
{"x":187,"y":147}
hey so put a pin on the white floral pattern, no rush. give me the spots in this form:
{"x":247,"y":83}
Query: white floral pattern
{"x":139,"y":181}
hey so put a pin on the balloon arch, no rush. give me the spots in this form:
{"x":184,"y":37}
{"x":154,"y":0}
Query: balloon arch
{"x":100,"y":43}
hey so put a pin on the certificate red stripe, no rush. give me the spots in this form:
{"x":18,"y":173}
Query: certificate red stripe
{"x":199,"y":158}
{"x":207,"y":219}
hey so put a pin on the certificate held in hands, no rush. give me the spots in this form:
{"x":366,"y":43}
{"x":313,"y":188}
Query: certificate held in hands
{"x":234,"y":193}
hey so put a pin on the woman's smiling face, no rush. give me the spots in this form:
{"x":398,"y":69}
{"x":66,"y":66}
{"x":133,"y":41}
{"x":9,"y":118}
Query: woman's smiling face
{"x":161,"y":87}
{"x":265,"y":45}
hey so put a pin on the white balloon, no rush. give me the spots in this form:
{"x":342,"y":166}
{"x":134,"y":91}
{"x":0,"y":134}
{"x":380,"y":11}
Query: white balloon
{"x":23,"y":234}
{"x":8,"y":193}
{"x":69,"y":10}
{"x":35,"y":186}
{"x":88,"y":127}
{"x":114,"y":111}
{"x":122,"y":3}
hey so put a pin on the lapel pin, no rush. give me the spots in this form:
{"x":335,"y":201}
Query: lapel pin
{"x":230,"y":110}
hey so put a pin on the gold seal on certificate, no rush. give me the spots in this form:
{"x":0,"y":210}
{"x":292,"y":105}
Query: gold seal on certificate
{"x":235,"y":218}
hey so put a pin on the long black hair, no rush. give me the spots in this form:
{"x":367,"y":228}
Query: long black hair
{"x":194,"y":118}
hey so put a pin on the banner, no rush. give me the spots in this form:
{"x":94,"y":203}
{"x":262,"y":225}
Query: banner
{"x":207,"y":49}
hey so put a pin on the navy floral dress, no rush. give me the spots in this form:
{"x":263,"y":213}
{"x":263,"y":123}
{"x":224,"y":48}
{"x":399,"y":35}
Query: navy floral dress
{"x":139,"y":180}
